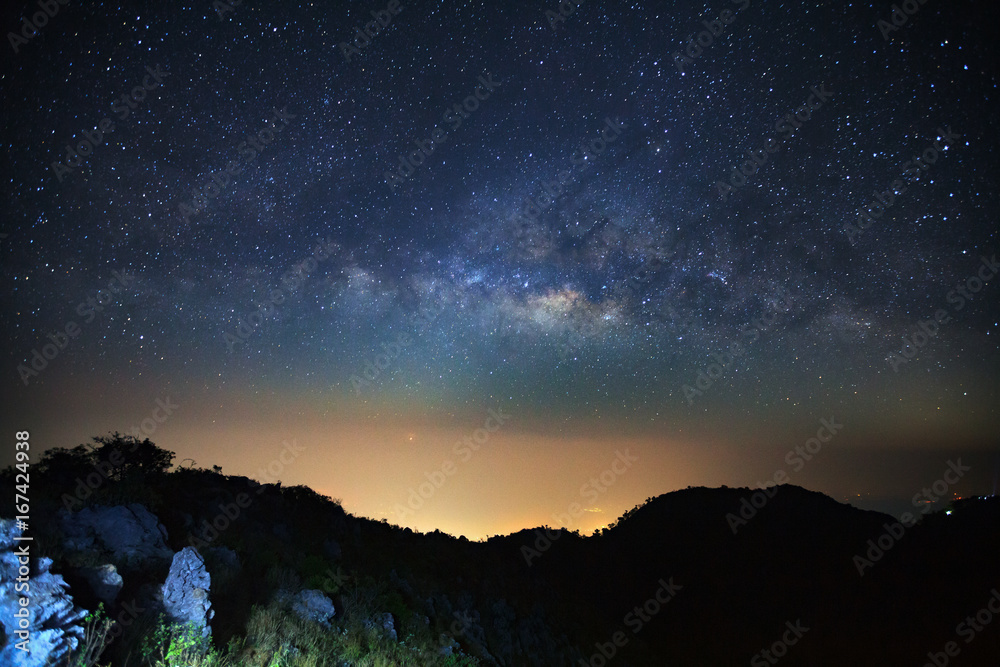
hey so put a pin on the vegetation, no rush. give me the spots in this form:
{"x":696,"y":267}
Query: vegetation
{"x":455,"y":603}
{"x":274,"y":638}
{"x":179,"y":645}
{"x":252,"y":627}
{"x":97,"y":635}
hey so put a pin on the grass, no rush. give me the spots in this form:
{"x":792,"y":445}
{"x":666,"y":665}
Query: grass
{"x":259,"y":634}
{"x":274,"y":638}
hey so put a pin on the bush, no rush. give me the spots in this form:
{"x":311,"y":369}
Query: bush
{"x":96,"y":637}
{"x":123,"y":468}
{"x":180,"y":645}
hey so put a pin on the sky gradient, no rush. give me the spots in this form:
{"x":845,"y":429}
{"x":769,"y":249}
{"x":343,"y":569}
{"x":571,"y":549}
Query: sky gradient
{"x":285,"y":230}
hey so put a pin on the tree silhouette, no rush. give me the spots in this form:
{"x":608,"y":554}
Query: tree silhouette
{"x":130,"y":457}
{"x":116,"y":456}
{"x":61,"y":467}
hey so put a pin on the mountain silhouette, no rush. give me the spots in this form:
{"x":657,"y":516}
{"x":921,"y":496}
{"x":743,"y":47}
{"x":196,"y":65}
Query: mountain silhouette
{"x":701,"y":576}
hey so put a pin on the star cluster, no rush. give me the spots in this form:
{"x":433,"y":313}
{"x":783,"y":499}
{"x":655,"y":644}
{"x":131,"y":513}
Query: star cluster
{"x":570,"y":242}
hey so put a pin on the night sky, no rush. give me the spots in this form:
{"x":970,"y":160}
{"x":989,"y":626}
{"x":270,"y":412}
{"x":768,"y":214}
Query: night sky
{"x":271,"y":242}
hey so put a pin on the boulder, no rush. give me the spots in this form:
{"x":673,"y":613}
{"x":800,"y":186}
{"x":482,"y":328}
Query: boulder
{"x":389,"y":625}
{"x":332,"y":549}
{"x":224,"y":558}
{"x":128,"y":535}
{"x":185,"y":593}
{"x":313,"y":605}
{"x":104,"y":580}
{"x":53,"y":623}
{"x":385,"y":622}
{"x":447,"y":645}
{"x":223,"y":565}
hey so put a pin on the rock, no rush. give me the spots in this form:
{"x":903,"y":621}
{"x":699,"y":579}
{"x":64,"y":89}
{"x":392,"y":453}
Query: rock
{"x":313,"y":605}
{"x":385,"y":622}
{"x":471,"y":628}
{"x":224,"y":557}
{"x":104,"y":581}
{"x":447,"y":645}
{"x":401,"y":584}
{"x":389,"y":625}
{"x":53,"y":623}
{"x":128,"y":535}
{"x":332,"y":549}
{"x":533,"y":638}
{"x":185,"y":593}
{"x":502,"y":621}
{"x":223,"y":564}
{"x":439,"y":605}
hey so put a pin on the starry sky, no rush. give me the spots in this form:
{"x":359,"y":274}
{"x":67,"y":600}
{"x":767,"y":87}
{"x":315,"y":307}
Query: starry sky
{"x":481,"y":261}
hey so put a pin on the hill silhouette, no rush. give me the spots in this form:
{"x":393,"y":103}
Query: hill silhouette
{"x":693,"y":577}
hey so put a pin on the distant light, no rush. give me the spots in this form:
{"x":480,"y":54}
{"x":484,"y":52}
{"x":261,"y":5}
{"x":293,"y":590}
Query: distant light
{"x":947,"y":512}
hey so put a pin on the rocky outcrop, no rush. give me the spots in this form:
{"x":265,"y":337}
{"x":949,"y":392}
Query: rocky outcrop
{"x":384,"y":622}
{"x":104,"y":580}
{"x":50,"y":622}
{"x":521,"y":637}
{"x":128,"y":536}
{"x":185,"y":593}
{"x":223,"y":565}
{"x":389,"y":625}
{"x":223,"y":558}
{"x":313,"y":605}
{"x":332,"y":549}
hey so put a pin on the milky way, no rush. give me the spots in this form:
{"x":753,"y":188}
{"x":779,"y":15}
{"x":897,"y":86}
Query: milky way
{"x":660,"y":214}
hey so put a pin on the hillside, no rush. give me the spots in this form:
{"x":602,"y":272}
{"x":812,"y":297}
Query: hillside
{"x":683,"y":579}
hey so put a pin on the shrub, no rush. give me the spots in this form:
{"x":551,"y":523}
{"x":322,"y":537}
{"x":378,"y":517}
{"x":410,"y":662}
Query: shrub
{"x":96,"y":631}
{"x":180,"y":645}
